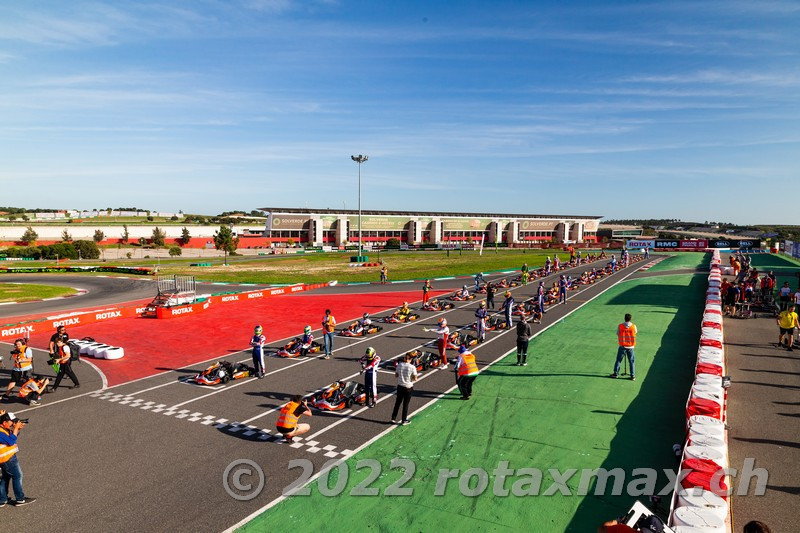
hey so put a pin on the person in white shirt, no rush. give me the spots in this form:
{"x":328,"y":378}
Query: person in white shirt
{"x":441,"y":341}
{"x":406,"y":376}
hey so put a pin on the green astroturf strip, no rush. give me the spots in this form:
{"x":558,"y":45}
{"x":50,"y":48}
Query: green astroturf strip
{"x":683,"y":260}
{"x":561,"y":411}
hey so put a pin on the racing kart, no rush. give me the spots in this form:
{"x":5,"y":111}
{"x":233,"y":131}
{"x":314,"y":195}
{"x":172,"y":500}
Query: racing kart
{"x":456,"y":297}
{"x":422,"y":360}
{"x":356,"y":330}
{"x":222,"y":372}
{"x":456,"y":339}
{"x":492,"y":323}
{"x":396,"y":318}
{"x":292,"y":348}
{"x":339,"y":395}
{"x":502,"y":284}
{"x":436,"y":305}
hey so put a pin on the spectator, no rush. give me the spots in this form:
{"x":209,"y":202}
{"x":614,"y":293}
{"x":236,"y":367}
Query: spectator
{"x":383,"y":275}
{"x":328,"y":331}
{"x":523,"y":336}
{"x":10,"y":427}
{"x":626,"y":337}
{"x":406,"y":376}
{"x":787,"y":322}
{"x":61,"y":333}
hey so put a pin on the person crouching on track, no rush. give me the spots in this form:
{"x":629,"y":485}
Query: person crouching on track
{"x":369,"y":367}
{"x":480,"y":321}
{"x":22,"y":357}
{"x":305,"y":341}
{"x":466,"y":371}
{"x":63,"y":356}
{"x":287,"y":424}
{"x":32,"y":390}
{"x":441,"y":341}
{"x":257,"y":342}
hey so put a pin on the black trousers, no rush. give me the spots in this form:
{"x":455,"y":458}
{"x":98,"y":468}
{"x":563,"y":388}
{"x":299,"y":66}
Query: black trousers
{"x":522,"y":351}
{"x":465,"y":385}
{"x":369,"y":387}
{"x":403,"y":396}
{"x":65,"y":369}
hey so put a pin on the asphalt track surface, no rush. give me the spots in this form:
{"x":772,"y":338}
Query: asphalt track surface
{"x":101,"y":290}
{"x":150,"y":454}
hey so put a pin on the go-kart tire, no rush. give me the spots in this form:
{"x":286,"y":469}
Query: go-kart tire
{"x":225,"y":379}
{"x":113,"y":353}
{"x":347,"y":403}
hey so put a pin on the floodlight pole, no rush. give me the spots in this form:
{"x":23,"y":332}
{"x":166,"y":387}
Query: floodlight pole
{"x":359,"y":159}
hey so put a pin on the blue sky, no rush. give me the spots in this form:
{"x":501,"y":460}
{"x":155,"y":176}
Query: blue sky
{"x":625,"y":109}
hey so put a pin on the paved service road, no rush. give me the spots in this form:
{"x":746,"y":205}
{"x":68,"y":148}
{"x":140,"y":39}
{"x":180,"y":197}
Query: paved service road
{"x":150,"y":454}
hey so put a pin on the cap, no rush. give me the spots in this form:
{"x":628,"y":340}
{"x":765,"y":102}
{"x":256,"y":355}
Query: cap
{"x":462,"y":349}
{"x":8,"y":416}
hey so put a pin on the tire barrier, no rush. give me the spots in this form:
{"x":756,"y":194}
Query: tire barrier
{"x":700,"y":499}
{"x":142,"y":271}
{"x":98,"y":350}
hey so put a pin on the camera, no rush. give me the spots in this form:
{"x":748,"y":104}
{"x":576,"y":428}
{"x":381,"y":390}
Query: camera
{"x":14,"y":351}
{"x":23,"y":420}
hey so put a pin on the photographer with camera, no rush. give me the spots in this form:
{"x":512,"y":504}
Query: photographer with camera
{"x":61,"y":333}
{"x":63,"y":356}
{"x":10,"y":426}
{"x":22,"y":357}
{"x":290,"y":413}
{"x":32,"y":390}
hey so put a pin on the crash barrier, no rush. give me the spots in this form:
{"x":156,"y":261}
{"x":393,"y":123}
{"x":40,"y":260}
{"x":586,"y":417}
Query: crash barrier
{"x":700,"y":498}
{"x":98,"y":350}
{"x":142,"y":271}
{"x":364,"y":264}
{"x":79,"y":318}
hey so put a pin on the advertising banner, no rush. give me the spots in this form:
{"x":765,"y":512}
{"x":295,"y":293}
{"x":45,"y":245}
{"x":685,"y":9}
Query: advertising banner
{"x":796,"y":250}
{"x":697,"y":244}
{"x":465,"y":224}
{"x":720,"y":243}
{"x":640,"y":243}
{"x":665,"y":243}
{"x":748,"y":243}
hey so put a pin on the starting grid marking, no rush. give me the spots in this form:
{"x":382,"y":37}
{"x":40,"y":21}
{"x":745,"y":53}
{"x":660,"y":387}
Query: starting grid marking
{"x":233,"y":428}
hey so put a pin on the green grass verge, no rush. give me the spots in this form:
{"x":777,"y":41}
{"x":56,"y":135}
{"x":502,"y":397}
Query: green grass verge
{"x":682,"y":260}
{"x":324,"y":267}
{"x":561,"y":412}
{"x":23,"y":292}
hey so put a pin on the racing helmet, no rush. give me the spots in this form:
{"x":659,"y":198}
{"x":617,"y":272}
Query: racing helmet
{"x":366,"y":315}
{"x":307,"y":329}
{"x":442,"y":321}
{"x":258,"y":330}
{"x":463,"y":349}
{"x":464,"y":287}
{"x":483,"y":303}
{"x":370,"y":353}
{"x":508,"y":293}
{"x":405,"y":304}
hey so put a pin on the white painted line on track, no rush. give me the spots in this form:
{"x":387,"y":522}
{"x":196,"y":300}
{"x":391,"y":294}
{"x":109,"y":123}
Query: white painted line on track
{"x":392,"y":428}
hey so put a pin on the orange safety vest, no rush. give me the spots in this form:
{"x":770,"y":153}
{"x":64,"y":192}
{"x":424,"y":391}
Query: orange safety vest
{"x":626,"y":336}
{"x":467,"y":366}
{"x":22,"y":361}
{"x":28,"y":388}
{"x":288,"y":419}
{"x":329,"y":322}
{"x":7,"y":452}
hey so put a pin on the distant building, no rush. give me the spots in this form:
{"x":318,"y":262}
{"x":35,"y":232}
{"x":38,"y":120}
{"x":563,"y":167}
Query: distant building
{"x":616,"y":232}
{"x":318,"y":227}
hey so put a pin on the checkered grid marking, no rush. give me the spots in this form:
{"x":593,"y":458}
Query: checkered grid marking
{"x":251,"y":432}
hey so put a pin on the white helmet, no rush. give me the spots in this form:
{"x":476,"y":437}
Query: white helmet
{"x":442,"y":321}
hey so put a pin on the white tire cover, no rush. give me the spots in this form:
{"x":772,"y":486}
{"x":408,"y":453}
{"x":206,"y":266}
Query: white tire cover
{"x":698,"y":517}
{"x":114,"y":353}
{"x":93,"y":350}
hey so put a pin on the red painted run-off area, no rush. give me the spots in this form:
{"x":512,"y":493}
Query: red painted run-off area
{"x":153,"y":346}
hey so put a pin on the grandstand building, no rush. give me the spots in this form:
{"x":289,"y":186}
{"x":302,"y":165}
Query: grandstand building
{"x":319,"y":227}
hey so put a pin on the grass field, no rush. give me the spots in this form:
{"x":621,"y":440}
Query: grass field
{"x":561,"y":412}
{"x":681,"y":260}
{"x":320,"y":268}
{"x":23,"y":292}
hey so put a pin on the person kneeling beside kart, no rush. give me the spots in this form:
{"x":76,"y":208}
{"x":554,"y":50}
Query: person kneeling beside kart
{"x":287,"y":424}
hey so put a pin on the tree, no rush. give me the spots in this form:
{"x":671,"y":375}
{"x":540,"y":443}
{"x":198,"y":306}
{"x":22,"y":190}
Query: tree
{"x":98,"y":236}
{"x":290,"y":242}
{"x":185,"y":236}
{"x":125,"y":235}
{"x":30,"y":236}
{"x":175,"y":251}
{"x":393,"y":242}
{"x":226,"y":241}
{"x":87,"y":249}
{"x":65,"y":236}
{"x":158,"y":236}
